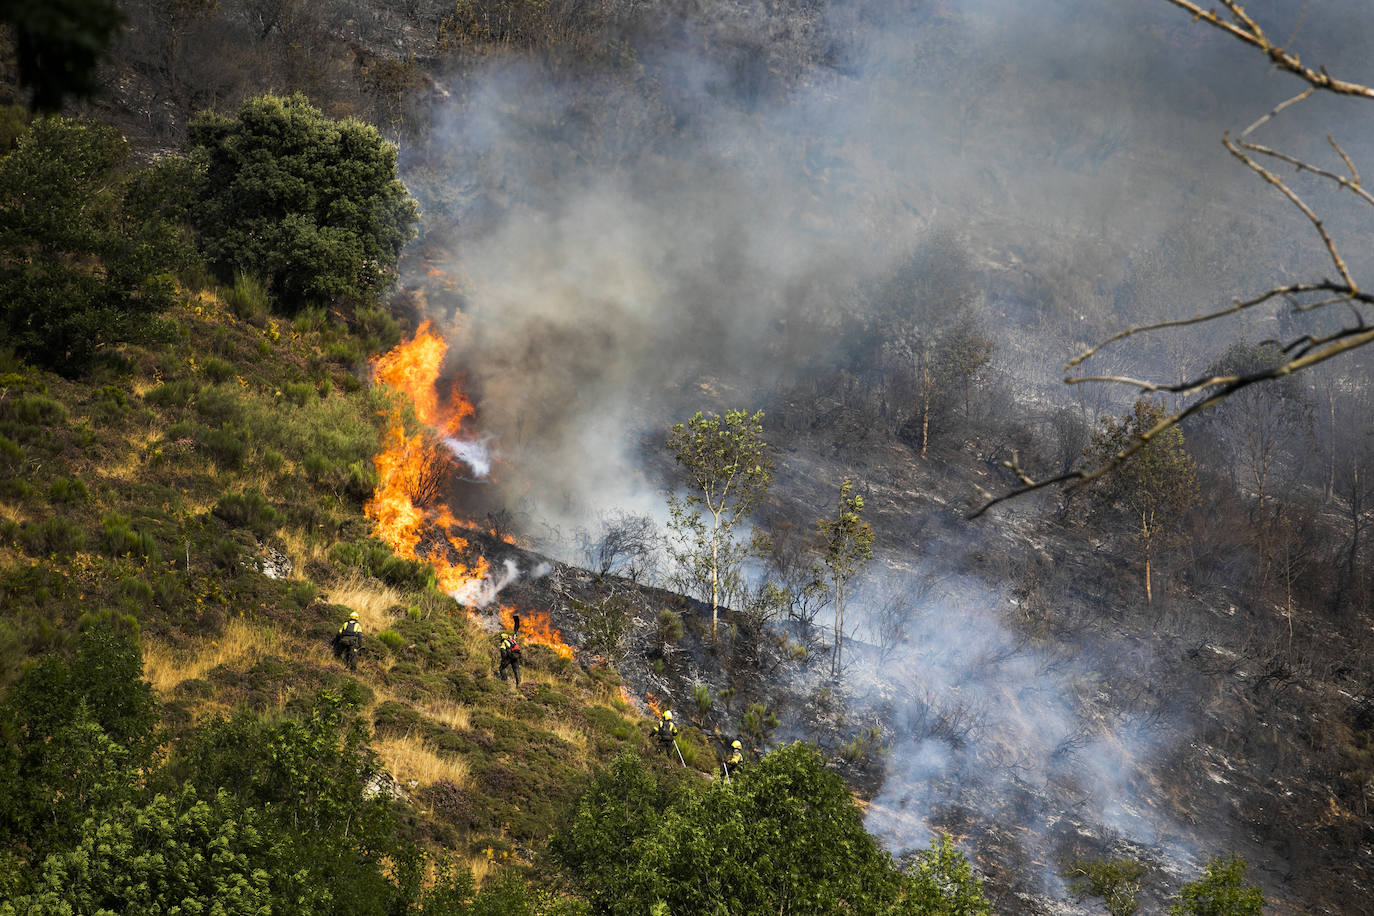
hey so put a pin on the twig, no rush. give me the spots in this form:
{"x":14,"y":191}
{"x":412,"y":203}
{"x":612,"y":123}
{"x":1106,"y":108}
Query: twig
{"x":1300,"y":204}
{"x":1302,"y":166}
{"x":1280,"y":107}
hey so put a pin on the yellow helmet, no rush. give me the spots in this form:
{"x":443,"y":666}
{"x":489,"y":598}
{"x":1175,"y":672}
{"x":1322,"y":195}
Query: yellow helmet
{"x":353,"y":615}
{"x":735,"y":745}
{"x":668,"y":716}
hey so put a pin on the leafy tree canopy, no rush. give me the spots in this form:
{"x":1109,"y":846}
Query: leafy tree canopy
{"x":783,"y":836}
{"x":88,"y":244}
{"x":310,"y":204}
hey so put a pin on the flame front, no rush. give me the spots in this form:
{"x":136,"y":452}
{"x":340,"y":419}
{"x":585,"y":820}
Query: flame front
{"x":537,"y":629}
{"x":409,"y":467}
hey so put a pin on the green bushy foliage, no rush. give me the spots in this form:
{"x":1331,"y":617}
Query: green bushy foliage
{"x":1115,"y":881}
{"x":302,"y":593}
{"x":392,"y":640}
{"x":218,"y":370}
{"x":250,"y":510}
{"x":88,"y":255}
{"x":374,"y":558}
{"x":170,"y":855}
{"x":1221,"y":891}
{"x":785,"y":835}
{"x":309,"y":204}
{"x":248,"y":298}
{"x":53,"y":536}
{"x":119,"y":538}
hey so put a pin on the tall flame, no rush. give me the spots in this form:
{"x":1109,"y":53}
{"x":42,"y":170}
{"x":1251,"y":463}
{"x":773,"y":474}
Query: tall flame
{"x":406,"y":504}
{"x":536,"y":628}
{"x":409,"y":466}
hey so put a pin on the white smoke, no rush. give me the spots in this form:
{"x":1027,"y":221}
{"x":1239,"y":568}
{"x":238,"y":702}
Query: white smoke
{"x":482,"y":592}
{"x":475,"y":453}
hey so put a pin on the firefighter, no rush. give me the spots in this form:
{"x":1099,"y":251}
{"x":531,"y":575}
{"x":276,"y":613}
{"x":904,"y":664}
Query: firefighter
{"x":348,"y":641}
{"x":665,"y":733}
{"x":510,"y":654}
{"x":735,"y":760}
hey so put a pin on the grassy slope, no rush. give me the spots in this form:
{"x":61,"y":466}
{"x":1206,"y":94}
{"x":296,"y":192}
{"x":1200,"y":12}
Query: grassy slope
{"x":161,"y":484}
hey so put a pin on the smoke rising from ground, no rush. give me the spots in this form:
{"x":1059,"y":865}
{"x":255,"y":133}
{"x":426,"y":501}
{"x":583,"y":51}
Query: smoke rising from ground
{"x":688,"y":229}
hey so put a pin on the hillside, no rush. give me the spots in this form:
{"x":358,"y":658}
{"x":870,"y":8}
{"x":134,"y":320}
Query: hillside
{"x":263,"y":369}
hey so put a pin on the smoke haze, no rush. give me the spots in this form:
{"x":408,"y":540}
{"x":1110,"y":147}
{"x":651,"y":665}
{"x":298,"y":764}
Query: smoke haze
{"x":690,"y":230}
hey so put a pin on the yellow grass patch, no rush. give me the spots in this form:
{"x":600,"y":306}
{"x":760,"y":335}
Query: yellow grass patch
{"x":411,"y":762}
{"x":372,"y":600}
{"x":571,"y":734}
{"x":456,"y":716}
{"x":166,"y":666}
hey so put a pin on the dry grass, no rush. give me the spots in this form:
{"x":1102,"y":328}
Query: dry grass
{"x":166,"y":666}
{"x":571,"y":734}
{"x":412,"y":763}
{"x":372,"y":600}
{"x":456,"y":716}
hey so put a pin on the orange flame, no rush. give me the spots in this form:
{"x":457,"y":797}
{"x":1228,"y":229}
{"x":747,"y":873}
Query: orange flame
{"x":408,"y":466}
{"x":653,"y":703}
{"x":537,"y":629}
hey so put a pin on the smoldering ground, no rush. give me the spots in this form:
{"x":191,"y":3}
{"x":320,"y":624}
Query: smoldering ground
{"x":685,"y":226}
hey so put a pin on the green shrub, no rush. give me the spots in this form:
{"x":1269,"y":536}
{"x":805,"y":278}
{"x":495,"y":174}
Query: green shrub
{"x":1221,"y":891}
{"x":227,"y":555}
{"x":179,"y":393}
{"x":111,"y":402}
{"x":392,"y":640}
{"x":218,"y":370}
{"x":758,"y":723}
{"x":377,"y":327}
{"x":68,"y":490}
{"x":220,"y":406}
{"x":701,"y":697}
{"x":309,"y":204}
{"x":272,"y":460}
{"x":88,"y":254}
{"x":1115,"y":881}
{"x":223,"y":344}
{"x":346,"y":352}
{"x":11,"y":455}
{"x":248,"y":298}
{"x":250,"y":510}
{"x":669,"y":627}
{"x":120,"y":539}
{"x":55,"y":536}
{"x":298,"y":393}
{"x":227,"y":447}
{"x":34,"y":410}
{"x":302,"y":593}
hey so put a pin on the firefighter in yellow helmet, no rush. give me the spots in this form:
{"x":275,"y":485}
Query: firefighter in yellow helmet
{"x":349,"y":641}
{"x":735,"y":760}
{"x":665,"y":733}
{"x":510,"y":656}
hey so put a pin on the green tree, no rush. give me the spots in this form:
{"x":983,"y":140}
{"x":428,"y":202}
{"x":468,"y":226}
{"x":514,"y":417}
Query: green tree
{"x":1156,"y":485}
{"x":176,"y":854}
{"x":1221,"y":891}
{"x":728,"y":470}
{"x":783,"y":836}
{"x":87,"y":244}
{"x":310,"y":204}
{"x":848,"y":543}
{"x":943,"y":884}
{"x":1115,"y":881}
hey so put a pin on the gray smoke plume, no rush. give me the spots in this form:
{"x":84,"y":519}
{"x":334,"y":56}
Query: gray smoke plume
{"x":690,"y":227}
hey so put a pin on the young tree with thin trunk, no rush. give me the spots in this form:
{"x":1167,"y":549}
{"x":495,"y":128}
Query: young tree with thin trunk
{"x":1156,"y":485}
{"x":728,"y":470}
{"x":848,"y":543}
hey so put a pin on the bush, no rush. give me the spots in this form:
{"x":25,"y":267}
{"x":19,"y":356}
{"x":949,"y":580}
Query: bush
{"x":88,"y":251}
{"x":120,"y":539}
{"x":249,"y":510}
{"x":248,"y":298}
{"x":34,"y":410}
{"x":309,"y":204}
{"x":1115,"y":881}
{"x":218,"y":370}
{"x":302,"y":593}
{"x":68,"y":490}
{"x":1221,"y":891}
{"x":392,"y":640}
{"x":227,"y":447}
{"x":55,"y":536}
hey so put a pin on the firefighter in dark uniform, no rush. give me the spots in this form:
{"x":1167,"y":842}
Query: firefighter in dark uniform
{"x":735,"y":760}
{"x":510,"y":656}
{"x":348,"y":641}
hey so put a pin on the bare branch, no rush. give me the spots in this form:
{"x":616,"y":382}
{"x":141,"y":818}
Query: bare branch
{"x":1280,"y":107}
{"x":1302,"y":166}
{"x":1251,"y":35}
{"x":1354,"y":173}
{"x":1238,"y":306}
{"x":1300,"y":204}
